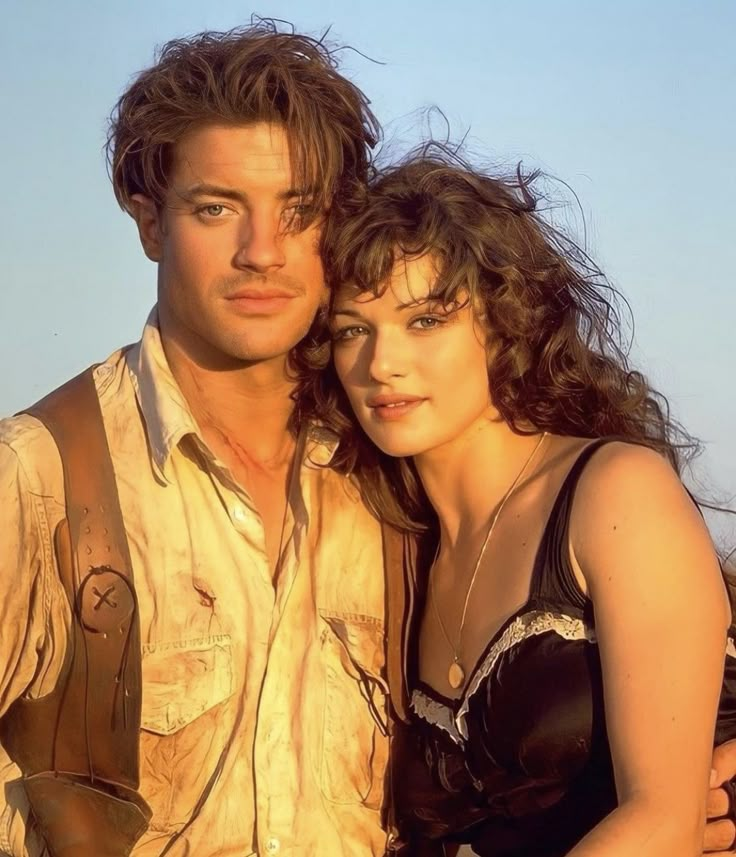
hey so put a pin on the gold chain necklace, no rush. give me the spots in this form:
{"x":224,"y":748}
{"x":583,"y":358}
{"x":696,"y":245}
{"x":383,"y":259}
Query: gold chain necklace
{"x":456,"y":673}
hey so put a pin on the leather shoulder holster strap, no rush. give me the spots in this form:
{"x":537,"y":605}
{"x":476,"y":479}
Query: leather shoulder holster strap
{"x":404,"y":556}
{"x":399,"y":560}
{"x":403,"y":553}
{"x":78,"y":746}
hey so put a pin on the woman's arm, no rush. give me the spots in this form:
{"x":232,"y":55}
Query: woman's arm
{"x":642,"y":550}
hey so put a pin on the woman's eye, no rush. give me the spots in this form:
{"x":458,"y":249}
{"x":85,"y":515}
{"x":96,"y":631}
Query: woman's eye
{"x":351,"y":332}
{"x":427,"y":322}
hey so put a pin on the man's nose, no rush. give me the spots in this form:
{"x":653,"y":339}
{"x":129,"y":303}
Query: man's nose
{"x":261,"y":244}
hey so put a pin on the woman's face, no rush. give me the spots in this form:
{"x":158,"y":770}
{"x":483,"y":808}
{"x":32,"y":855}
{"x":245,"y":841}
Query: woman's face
{"x":415,"y":373}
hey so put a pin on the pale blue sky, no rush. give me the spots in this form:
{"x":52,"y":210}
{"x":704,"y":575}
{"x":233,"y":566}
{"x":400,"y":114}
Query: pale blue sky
{"x":630,"y":103}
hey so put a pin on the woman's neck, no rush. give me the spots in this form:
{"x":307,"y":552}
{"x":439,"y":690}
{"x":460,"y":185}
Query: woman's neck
{"x":468,"y":477}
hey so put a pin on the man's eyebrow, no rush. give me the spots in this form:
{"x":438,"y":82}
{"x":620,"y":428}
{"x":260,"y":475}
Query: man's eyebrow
{"x":298,"y":193}
{"x":205,"y":189}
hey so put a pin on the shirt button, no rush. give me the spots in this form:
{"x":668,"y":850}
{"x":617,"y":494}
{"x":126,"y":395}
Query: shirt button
{"x":238,"y":514}
{"x":273,"y":845}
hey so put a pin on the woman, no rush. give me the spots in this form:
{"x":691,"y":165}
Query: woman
{"x":567,"y":650}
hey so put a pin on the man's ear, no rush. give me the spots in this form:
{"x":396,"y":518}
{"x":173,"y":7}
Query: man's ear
{"x":148,"y":218}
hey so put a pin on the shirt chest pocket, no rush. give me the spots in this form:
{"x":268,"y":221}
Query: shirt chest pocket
{"x":354,"y":742}
{"x":183,"y":680}
{"x":184,"y":723}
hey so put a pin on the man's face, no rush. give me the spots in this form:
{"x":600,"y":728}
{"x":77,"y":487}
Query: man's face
{"x":239,"y":282}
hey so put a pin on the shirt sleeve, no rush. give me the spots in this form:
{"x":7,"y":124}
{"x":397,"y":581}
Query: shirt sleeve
{"x":34,"y":613}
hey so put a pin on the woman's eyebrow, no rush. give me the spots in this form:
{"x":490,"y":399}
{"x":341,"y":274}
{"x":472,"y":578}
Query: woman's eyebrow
{"x":400,"y":307}
{"x":353,"y":313}
{"x":414,"y":302}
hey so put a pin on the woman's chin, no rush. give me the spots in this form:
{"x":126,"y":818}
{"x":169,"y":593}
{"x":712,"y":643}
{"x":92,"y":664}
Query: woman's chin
{"x":397,"y":448}
{"x":396,"y":438}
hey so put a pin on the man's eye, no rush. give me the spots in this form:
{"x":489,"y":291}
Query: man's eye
{"x":295,"y":216}
{"x":216,"y":209}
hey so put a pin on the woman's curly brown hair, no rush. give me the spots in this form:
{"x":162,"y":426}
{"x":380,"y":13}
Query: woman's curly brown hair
{"x":559,"y":361}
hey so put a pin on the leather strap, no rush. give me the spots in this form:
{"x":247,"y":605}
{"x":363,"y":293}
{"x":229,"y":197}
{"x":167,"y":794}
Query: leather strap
{"x":72,"y":415}
{"x":404,"y":554}
{"x":84,"y":736}
{"x":399,"y":558}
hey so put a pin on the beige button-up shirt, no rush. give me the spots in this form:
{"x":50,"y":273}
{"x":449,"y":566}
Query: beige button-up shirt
{"x":279,"y":686}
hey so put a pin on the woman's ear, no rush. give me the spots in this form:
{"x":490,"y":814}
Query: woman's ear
{"x":148,"y":218}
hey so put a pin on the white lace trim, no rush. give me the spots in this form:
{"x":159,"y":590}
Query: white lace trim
{"x":436,"y":713}
{"x":527,"y":625}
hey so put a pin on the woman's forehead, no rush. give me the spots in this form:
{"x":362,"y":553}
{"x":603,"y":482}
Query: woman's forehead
{"x":410,"y":281}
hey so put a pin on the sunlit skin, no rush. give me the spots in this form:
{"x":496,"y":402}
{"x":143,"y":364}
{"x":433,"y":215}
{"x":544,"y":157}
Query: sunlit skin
{"x":239,"y":285}
{"x":636,"y":543}
{"x":416,"y":375}
{"x":238,"y":282}
{"x":415,"y":372}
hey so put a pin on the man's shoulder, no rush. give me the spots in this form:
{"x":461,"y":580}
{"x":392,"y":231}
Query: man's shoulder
{"x":18,"y":430}
{"x":27,"y":446}
{"x":28,"y":451}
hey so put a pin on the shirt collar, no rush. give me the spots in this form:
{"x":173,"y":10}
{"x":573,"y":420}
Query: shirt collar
{"x":166,"y":413}
{"x":321,"y":446}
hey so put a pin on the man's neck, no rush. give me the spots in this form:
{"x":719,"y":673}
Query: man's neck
{"x":245,"y":409}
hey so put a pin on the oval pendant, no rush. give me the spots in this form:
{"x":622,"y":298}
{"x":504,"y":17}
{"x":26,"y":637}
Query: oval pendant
{"x":456,"y":675}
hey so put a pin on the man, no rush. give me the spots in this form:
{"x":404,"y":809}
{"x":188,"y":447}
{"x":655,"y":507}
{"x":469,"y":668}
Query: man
{"x":258,"y":572}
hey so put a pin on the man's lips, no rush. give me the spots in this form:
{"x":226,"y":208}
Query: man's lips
{"x":264,"y":294}
{"x":263,"y":301}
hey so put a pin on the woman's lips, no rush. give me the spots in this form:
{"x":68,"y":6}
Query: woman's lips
{"x":393,"y":407}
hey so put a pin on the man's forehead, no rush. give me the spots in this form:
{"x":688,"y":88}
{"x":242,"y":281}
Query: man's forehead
{"x":238,"y":151}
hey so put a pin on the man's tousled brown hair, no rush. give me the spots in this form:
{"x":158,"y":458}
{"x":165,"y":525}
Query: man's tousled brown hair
{"x":249,"y":74}
{"x":559,"y":359}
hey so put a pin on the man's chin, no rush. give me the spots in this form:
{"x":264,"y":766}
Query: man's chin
{"x":250,"y":353}
{"x":232,"y":354}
